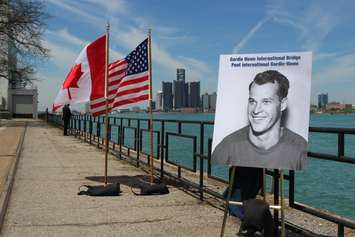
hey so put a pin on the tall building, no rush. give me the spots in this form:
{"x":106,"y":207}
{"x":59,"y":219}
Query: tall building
{"x":205,"y":102}
{"x":180,"y":74}
{"x":179,"y":94}
{"x":159,"y":99}
{"x":194,"y":94}
{"x":167,"y":88}
{"x":213,"y":99}
{"x":322,"y":101}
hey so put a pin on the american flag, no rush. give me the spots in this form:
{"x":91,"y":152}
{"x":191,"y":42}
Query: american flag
{"x":128,"y":81}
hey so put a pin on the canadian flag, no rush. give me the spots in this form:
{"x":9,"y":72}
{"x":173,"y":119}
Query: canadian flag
{"x":86,"y":79}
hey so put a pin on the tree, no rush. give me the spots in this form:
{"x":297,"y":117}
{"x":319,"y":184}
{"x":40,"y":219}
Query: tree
{"x":22,"y":24}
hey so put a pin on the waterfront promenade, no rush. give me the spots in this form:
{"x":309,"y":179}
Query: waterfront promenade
{"x":44,"y":200}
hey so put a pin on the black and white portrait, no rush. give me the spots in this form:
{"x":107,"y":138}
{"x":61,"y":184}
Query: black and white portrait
{"x":262,"y":110}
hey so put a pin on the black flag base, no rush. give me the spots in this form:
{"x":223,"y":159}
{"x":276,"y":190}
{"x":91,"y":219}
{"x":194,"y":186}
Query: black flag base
{"x":101,"y":190}
{"x":150,"y":189}
{"x":139,"y":184}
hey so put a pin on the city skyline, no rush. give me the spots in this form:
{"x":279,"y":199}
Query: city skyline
{"x":194,"y":40}
{"x":178,"y":94}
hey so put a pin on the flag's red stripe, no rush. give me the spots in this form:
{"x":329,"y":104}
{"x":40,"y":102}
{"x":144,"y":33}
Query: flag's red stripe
{"x":117,"y":72}
{"x":134,"y":81}
{"x":111,"y":83}
{"x":116,"y":64}
{"x":131,"y":100}
{"x":122,"y":93}
{"x":132,"y":91}
{"x":99,"y":113}
{"x":120,"y":103}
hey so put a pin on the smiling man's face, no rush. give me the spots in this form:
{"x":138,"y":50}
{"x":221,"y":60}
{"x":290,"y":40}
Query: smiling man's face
{"x":264,"y":107}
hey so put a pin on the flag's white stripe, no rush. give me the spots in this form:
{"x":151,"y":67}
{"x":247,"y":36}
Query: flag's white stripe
{"x":118,"y":99}
{"x":117,"y":77}
{"x":137,"y":75}
{"x":103,"y":107}
{"x":128,"y":87}
{"x":102,"y":99}
{"x":132,"y":86}
{"x":131,"y":95}
{"x":121,"y":67}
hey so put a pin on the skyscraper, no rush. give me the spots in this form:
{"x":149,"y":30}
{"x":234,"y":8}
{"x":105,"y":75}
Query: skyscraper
{"x":167,"y":96}
{"x":194,"y":94}
{"x":179,"y":94}
{"x":205,"y":102}
{"x":213,"y":99}
{"x":159,"y":99}
{"x":180,"y":74}
{"x":322,"y":101}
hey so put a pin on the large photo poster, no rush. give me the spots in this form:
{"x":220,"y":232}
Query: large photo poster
{"x":262,"y":111}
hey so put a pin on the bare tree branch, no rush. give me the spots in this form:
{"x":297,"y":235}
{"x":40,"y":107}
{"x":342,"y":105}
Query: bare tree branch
{"x":22,"y":24}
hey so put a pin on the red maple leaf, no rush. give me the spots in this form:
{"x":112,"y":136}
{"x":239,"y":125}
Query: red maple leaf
{"x":71,"y":81}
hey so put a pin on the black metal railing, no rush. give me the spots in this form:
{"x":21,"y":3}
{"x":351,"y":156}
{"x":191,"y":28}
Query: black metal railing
{"x":200,"y":157}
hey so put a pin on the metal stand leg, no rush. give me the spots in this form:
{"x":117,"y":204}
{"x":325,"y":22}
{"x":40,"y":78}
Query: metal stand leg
{"x":230,"y":187}
{"x":282,"y":204}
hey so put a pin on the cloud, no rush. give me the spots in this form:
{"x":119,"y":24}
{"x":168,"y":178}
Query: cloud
{"x":195,"y":69}
{"x":324,"y":56}
{"x":342,"y":70}
{"x":116,"y":6}
{"x":62,"y":56}
{"x":250,"y":34}
{"x":65,"y":36}
{"x":314,"y":21}
{"x":77,"y":10}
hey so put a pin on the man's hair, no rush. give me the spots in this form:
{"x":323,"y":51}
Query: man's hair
{"x":270,"y":76}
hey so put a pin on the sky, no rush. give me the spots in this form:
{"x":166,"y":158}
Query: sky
{"x":192,"y":35}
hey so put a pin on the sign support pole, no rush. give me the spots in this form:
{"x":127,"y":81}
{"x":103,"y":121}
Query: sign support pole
{"x":282,"y":203}
{"x":230,"y":187}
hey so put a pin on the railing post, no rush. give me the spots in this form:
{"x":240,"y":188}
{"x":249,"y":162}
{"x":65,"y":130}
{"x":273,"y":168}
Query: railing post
{"x":109,"y":133}
{"x":162,"y":150}
{"x":291,"y":189}
{"x":202,"y":134}
{"x":113,"y":143}
{"x":98,"y":131}
{"x":85,"y":125}
{"x":128,"y":149}
{"x":79,"y":125}
{"x":121,"y":137}
{"x":340,"y":144}
{"x":209,"y":168}
{"x":138,"y":141}
{"x":90,"y":129}
{"x":340,"y":230}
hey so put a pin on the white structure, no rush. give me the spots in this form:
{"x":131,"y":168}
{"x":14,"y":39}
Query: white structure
{"x":23,"y":102}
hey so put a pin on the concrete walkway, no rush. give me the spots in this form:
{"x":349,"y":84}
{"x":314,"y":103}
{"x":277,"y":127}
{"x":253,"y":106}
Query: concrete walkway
{"x":44,"y":200}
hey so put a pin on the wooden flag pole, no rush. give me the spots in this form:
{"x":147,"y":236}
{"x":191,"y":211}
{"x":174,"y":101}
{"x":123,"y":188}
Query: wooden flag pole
{"x":151,"y":161}
{"x":106,"y":99}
